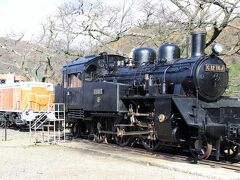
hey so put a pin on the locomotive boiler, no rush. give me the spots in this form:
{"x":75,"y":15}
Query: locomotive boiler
{"x":154,"y":100}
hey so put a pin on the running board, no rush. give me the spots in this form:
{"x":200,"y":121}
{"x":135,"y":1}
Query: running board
{"x":126,"y":133}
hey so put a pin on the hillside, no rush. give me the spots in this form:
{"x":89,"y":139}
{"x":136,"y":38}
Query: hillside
{"x":33,"y":60}
{"x":39,"y":62}
{"x":234,"y":79}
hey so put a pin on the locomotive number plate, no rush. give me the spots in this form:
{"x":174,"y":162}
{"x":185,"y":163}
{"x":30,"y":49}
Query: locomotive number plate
{"x":214,"y":68}
{"x":98,"y":91}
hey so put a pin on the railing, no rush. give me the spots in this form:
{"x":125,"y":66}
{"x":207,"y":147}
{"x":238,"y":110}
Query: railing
{"x":36,"y":103}
{"x":59,"y":111}
{"x":39,"y":121}
{"x":55,"y":113}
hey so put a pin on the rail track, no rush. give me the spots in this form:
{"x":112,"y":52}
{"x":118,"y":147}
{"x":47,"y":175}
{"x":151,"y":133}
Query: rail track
{"x":225,"y":165}
{"x":170,"y":155}
{"x":173,"y":155}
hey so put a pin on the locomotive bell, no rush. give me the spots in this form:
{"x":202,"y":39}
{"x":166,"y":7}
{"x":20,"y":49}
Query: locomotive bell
{"x":198,"y":44}
{"x":168,"y":53}
{"x":142,"y":56}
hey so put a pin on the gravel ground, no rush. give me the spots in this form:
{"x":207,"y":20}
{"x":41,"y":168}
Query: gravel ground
{"x":20,"y":159}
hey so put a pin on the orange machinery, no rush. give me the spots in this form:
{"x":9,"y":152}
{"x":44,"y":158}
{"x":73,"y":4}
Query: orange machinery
{"x":19,"y":97}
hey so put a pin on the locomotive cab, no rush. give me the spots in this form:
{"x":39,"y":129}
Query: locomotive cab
{"x":79,"y":74}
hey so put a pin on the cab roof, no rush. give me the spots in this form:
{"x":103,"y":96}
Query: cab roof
{"x":80,"y":64}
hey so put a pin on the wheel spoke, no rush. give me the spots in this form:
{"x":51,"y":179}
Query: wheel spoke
{"x":202,"y":152}
{"x":229,"y":150}
{"x":150,"y":145}
{"x":123,"y":141}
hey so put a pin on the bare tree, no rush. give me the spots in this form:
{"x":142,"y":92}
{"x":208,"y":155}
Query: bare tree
{"x":200,"y":14}
{"x":100,"y":23}
{"x":90,"y":26}
{"x":37,"y":62}
{"x":147,"y":22}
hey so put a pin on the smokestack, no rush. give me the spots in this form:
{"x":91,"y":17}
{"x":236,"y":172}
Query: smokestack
{"x":198,"y":43}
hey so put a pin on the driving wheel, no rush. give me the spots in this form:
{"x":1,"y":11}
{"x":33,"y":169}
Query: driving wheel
{"x":121,"y":139}
{"x":98,"y":137}
{"x":229,"y":150}
{"x":151,"y":144}
{"x":201,"y":148}
{"x":75,"y":130}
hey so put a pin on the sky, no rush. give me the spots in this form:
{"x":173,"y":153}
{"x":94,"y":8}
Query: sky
{"x":25,"y":16}
{"x":19,"y":17}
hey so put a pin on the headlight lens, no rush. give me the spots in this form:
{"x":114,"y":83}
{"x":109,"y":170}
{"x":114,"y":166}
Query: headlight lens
{"x":217,"y":48}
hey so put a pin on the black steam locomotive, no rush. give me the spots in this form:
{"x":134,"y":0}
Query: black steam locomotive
{"x":164,"y":101}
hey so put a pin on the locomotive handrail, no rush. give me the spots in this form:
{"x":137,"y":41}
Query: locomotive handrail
{"x":164,"y":80}
{"x":155,"y":72}
{"x":29,"y":103}
{"x":25,"y":97}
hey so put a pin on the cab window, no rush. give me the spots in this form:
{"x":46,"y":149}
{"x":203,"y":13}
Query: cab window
{"x":74,"y":80}
{"x":90,"y":72}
